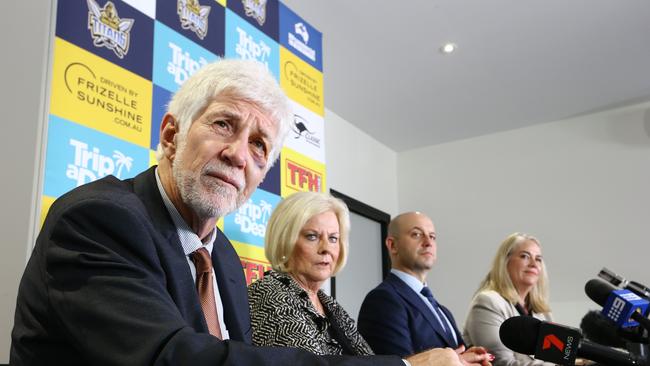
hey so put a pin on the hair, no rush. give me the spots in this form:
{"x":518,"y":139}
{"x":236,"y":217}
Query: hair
{"x":247,"y":79}
{"x":498,"y":279}
{"x":291,"y":215}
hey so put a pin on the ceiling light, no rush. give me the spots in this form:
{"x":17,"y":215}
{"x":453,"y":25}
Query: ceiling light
{"x":448,"y":48}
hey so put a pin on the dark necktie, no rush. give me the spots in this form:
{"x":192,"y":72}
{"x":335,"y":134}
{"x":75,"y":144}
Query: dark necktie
{"x":427,"y":293}
{"x":203,"y":264}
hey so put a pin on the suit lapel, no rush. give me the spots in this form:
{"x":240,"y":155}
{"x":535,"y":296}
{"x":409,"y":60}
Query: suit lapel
{"x":180,"y":283}
{"x":232,"y":288}
{"x":412,"y":298}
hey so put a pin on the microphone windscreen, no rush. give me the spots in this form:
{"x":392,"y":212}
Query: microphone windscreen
{"x":597,"y":328}
{"x":598,"y":290}
{"x":520,"y":333}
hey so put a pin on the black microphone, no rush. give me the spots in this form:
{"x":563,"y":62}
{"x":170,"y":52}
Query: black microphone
{"x":618,"y":305}
{"x":597,"y":328}
{"x":620,"y":281}
{"x":558,"y":343}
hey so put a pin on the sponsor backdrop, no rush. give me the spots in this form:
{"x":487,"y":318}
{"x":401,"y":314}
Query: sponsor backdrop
{"x":116,"y":64}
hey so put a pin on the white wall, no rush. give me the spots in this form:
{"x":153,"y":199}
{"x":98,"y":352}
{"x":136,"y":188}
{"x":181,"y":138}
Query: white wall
{"x":25,"y":32}
{"x":581,"y":185}
{"x":359,"y":166}
{"x":364,"y":169}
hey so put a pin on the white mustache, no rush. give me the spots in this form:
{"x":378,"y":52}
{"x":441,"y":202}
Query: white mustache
{"x":226,"y":174}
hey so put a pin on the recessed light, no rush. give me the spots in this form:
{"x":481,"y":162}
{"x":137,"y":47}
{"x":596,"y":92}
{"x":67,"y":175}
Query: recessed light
{"x":448,"y":48}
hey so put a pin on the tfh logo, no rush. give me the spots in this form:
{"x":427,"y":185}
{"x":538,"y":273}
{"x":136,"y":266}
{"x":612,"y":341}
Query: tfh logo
{"x":303,"y":179}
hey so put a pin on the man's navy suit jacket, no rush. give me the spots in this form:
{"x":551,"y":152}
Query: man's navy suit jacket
{"x":108,"y":284}
{"x":395,"y":320}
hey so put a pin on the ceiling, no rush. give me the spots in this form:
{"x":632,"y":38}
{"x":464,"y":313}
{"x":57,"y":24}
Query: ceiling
{"x":518,"y":63}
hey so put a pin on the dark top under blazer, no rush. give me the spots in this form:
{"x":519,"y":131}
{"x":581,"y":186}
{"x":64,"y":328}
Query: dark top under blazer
{"x":394,"y":320}
{"x":108,"y":284}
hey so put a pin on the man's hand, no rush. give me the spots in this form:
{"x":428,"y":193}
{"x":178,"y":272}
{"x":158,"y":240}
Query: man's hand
{"x":435,"y":357}
{"x":474,"y":356}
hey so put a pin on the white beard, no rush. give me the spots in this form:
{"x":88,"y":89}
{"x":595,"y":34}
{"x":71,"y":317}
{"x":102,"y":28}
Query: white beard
{"x":204,"y":195}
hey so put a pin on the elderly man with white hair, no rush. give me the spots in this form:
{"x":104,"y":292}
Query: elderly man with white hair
{"x":135,"y":272}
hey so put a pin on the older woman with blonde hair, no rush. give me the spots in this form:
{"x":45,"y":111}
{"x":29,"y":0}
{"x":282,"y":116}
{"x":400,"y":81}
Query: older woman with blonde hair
{"x":516,"y":285}
{"x":306,"y":243}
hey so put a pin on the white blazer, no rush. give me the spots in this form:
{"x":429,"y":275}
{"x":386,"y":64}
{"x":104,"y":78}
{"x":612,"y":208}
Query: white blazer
{"x":486,"y":313}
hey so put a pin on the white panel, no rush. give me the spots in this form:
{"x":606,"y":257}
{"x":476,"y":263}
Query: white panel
{"x":363,"y":270}
{"x":148,"y":7}
{"x":360,"y":166}
{"x":307,"y":134}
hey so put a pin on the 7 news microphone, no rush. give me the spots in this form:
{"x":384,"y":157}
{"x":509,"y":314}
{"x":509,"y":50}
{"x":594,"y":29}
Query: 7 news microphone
{"x":558,"y":343}
{"x":623,"y":307}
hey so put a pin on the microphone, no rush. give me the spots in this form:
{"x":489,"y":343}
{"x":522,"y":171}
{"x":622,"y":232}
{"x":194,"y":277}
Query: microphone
{"x":597,"y":328}
{"x":620,"y":281}
{"x":558,"y":343}
{"x":623,"y":307}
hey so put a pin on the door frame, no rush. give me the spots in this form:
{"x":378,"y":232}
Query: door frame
{"x":371,"y":213}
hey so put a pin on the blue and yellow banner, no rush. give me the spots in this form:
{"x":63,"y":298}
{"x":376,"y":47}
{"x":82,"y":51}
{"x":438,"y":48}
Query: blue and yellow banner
{"x":116,"y":64}
{"x":100,"y":95}
{"x":301,"y":81}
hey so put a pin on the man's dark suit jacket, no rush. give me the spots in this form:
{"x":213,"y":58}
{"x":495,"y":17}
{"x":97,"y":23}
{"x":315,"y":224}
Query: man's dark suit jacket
{"x":395,"y":321}
{"x":108,"y":284}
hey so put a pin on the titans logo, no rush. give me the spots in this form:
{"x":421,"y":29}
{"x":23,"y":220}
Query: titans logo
{"x":193,"y":16}
{"x":255,"y":9}
{"x":107,"y":29}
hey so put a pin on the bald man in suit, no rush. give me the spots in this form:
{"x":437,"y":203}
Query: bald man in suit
{"x":401,"y":316}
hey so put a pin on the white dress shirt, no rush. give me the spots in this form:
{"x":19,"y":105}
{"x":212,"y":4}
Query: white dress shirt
{"x":191,"y":242}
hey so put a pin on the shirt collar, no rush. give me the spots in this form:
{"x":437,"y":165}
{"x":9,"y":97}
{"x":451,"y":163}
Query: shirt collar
{"x":409,"y":279}
{"x":189,"y":240}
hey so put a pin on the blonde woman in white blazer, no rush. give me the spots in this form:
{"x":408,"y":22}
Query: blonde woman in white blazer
{"x":516,"y":285}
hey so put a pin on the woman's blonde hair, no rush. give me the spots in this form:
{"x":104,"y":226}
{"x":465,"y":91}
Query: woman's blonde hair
{"x":498,"y":279}
{"x":288,"y":219}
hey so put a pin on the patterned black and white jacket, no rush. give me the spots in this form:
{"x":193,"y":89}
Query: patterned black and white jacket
{"x":283,"y":315}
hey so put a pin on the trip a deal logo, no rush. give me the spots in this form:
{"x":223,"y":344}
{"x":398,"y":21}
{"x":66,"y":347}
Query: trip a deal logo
{"x":248,"y":223}
{"x":78,"y":155}
{"x":194,"y":16}
{"x":246,"y":42}
{"x":177,"y":58}
{"x":108,"y":29}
